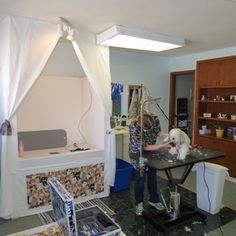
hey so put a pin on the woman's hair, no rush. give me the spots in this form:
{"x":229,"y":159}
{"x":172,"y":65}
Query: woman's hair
{"x":148,"y":121}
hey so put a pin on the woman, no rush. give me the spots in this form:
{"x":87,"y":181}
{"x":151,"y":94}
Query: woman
{"x":151,"y":130}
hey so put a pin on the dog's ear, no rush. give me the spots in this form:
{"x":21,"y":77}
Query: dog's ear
{"x":184,"y":138}
{"x":187,"y":139}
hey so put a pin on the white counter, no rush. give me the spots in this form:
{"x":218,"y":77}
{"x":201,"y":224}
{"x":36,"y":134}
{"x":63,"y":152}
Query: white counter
{"x":122,"y":142}
{"x":82,"y":172}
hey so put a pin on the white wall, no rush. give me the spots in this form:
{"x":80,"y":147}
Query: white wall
{"x":130,"y":67}
{"x":63,"y":62}
{"x":59,"y":103}
{"x":60,"y":97}
{"x":188,"y":62}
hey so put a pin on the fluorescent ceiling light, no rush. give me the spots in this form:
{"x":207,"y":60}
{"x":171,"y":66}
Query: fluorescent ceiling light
{"x":119,"y":36}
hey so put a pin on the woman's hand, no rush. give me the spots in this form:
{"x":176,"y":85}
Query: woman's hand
{"x":166,"y":145}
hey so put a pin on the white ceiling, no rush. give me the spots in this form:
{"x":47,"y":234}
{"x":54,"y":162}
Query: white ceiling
{"x":205,"y":24}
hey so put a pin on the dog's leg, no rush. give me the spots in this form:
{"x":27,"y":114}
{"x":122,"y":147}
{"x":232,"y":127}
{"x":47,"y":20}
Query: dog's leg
{"x":183,"y":151}
{"x":173,"y":151}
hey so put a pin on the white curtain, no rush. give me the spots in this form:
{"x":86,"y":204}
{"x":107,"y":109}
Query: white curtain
{"x":25,"y":47}
{"x":94,"y":60}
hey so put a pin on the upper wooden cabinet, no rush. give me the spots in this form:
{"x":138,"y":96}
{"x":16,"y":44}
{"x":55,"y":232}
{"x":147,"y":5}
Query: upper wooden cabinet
{"x":218,"y":72}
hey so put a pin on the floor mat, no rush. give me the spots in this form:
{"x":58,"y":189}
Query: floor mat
{"x":47,"y":217}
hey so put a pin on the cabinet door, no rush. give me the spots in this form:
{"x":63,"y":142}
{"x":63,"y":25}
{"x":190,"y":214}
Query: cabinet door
{"x":218,"y":72}
{"x":207,"y":74}
{"x":227,"y":72}
{"x":223,"y":146}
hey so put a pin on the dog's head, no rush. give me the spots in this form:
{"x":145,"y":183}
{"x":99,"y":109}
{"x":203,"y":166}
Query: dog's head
{"x":178,"y":137}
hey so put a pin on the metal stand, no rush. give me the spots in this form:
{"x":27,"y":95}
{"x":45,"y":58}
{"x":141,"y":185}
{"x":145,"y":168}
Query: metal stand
{"x":171,"y":202}
{"x":165,"y":222}
{"x":176,"y":211}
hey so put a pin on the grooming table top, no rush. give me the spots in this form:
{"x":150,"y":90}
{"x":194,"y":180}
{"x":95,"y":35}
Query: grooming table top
{"x":162,"y":159}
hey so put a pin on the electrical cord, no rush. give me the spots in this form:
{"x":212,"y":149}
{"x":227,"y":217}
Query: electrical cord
{"x":208,"y":194}
{"x":208,"y":190}
{"x":162,"y":112}
{"x":82,"y":117}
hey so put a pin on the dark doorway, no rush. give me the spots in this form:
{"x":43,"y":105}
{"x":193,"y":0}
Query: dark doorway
{"x":181,"y":100}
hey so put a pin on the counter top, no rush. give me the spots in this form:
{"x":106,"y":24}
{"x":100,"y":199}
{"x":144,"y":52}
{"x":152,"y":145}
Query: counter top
{"x":121,"y":130}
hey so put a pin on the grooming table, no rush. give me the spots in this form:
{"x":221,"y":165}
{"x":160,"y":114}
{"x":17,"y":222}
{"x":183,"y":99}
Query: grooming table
{"x":162,"y":160}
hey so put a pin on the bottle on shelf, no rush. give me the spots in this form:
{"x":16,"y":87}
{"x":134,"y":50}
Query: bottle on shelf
{"x":21,"y":149}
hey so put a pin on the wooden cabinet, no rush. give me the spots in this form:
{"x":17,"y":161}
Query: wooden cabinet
{"x":221,"y":145}
{"x":218,"y":72}
{"x":215,"y":106}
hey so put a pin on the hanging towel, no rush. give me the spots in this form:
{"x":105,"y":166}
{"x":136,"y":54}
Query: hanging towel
{"x":116,"y":90}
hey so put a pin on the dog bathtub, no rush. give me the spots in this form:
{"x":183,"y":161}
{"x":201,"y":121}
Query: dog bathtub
{"x":53,"y":152}
{"x":35,"y":167}
{"x":50,"y":147}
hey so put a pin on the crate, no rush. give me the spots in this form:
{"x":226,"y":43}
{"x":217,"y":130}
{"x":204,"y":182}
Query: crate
{"x":123,"y":176}
{"x":94,"y":221}
{"x":63,"y":207}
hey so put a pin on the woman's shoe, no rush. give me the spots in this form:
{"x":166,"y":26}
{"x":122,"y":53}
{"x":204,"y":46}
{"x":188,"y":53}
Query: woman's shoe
{"x":158,"y":205}
{"x":139,"y":209}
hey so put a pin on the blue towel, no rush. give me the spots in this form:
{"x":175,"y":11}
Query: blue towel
{"x":116,"y":90}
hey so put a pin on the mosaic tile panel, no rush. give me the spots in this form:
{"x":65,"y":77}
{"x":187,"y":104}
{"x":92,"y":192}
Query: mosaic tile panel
{"x":79,"y":181}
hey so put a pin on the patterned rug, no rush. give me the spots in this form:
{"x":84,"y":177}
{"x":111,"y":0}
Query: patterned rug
{"x":47,"y":217}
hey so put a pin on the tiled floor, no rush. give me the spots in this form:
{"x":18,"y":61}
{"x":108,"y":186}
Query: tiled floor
{"x":122,"y":203}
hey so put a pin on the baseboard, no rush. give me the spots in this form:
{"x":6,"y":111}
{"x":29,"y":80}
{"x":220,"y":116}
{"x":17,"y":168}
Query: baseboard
{"x":231,"y":179}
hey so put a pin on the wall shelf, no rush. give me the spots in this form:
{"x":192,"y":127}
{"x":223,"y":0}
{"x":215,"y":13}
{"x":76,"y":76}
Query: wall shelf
{"x":217,"y":119}
{"x":214,"y":137}
{"x":217,"y":102}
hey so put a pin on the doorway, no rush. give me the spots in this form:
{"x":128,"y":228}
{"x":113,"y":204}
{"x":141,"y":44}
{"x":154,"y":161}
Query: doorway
{"x":181,"y":100}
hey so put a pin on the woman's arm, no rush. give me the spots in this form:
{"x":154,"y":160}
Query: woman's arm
{"x":156,"y":147}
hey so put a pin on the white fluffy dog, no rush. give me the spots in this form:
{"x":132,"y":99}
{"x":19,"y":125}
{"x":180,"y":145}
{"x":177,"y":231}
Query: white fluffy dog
{"x":180,"y":143}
